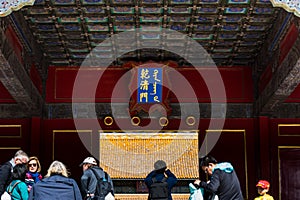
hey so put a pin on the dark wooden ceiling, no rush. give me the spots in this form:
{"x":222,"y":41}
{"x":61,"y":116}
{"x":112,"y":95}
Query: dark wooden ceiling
{"x":231,"y":31}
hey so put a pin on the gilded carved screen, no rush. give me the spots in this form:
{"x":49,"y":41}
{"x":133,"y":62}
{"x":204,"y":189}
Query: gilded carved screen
{"x":131,"y":155}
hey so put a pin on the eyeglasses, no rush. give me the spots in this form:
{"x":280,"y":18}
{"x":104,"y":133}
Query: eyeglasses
{"x":32,"y":165}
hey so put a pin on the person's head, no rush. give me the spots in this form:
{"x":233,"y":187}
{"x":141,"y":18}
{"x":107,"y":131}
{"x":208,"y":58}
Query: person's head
{"x":19,"y":172}
{"x":34,"y":164}
{"x":207,"y":163}
{"x":160,"y":166}
{"x":57,"y":167}
{"x":21,"y":157}
{"x":263,"y":187}
{"x":88,"y":163}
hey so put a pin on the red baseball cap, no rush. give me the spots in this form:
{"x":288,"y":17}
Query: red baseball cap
{"x":263,"y":184}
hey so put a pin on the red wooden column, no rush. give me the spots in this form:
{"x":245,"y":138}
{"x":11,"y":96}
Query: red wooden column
{"x":264,"y":143}
{"x":35,"y":136}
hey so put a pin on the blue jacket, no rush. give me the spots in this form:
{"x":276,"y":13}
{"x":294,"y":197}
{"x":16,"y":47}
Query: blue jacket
{"x":55,"y":187}
{"x":172,"y":180}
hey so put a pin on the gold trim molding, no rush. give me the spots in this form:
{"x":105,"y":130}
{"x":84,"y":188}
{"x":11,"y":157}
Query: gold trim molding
{"x":243,"y":131}
{"x":287,"y":125}
{"x":279,"y":167}
{"x":6,"y":148}
{"x":12,"y":126}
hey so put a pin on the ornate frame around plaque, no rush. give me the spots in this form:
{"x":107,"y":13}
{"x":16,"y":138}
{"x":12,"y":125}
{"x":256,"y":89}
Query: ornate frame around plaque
{"x":289,"y":5}
{"x":7,"y":6}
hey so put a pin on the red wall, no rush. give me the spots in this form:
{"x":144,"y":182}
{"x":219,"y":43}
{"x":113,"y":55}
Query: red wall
{"x":58,"y":139}
{"x":260,"y":148}
{"x":15,"y":43}
{"x":295,"y":96}
{"x":288,"y":41}
{"x":36,"y":78}
{"x":5,"y":96}
{"x":237,"y":82}
{"x":14,"y":135}
{"x":285,"y":157}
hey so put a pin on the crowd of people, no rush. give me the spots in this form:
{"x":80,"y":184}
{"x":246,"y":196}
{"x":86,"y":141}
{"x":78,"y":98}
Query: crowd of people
{"x":21,"y":178}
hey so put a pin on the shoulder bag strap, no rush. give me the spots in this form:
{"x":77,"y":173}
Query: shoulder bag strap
{"x":13,"y":187}
{"x":95,"y":173}
{"x":98,"y":177}
{"x":153,"y":179}
{"x":106,"y":176}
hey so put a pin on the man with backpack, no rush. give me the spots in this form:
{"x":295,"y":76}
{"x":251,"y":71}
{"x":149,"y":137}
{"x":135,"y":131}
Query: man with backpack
{"x":96,"y":184}
{"x":6,"y":169}
{"x":160,"y":182}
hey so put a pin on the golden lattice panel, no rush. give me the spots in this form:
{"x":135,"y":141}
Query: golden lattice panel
{"x":131,"y":155}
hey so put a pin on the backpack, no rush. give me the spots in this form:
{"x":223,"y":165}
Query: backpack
{"x":103,"y":187}
{"x":158,"y":189}
{"x":7,"y":194}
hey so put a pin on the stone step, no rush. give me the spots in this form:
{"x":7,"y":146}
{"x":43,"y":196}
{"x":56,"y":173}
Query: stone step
{"x":145,"y":196}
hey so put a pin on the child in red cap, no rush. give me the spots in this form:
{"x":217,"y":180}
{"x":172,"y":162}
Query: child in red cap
{"x":262,"y":189}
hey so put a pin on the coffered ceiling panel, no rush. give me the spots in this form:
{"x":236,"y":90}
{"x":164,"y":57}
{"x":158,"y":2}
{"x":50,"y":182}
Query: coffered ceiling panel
{"x":232,"y":31}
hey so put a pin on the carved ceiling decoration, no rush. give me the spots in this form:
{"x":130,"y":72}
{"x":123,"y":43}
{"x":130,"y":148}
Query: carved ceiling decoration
{"x":232,"y":31}
{"x":289,"y":5}
{"x":14,"y":78}
{"x":283,"y":83}
{"x":7,"y":6}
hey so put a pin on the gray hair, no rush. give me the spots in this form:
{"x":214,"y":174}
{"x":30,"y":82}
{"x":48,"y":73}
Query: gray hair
{"x":20,"y":154}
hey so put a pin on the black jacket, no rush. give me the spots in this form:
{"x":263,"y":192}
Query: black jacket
{"x":225,"y":185}
{"x":171,"y":180}
{"x":5,"y":176}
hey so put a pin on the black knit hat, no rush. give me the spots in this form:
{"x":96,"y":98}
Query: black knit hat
{"x":160,"y":164}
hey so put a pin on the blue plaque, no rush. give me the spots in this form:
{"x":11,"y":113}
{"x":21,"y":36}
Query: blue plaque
{"x":149,"y":85}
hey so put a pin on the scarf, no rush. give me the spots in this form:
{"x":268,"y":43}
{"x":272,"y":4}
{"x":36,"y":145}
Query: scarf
{"x":225,"y":166}
{"x":35,"y":176}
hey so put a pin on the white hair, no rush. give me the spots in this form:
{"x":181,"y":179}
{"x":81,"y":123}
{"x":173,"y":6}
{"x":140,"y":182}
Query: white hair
{"x":57,"y":167}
